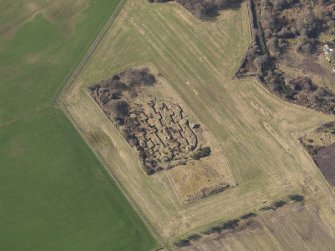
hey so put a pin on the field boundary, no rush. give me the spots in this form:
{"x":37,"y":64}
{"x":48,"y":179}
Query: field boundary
{"x":59,"y":100}
{"x":83,"y":135}
{"x":90,"y":50}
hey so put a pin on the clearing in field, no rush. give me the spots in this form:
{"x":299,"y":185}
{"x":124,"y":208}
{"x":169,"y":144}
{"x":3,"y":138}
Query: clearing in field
{"x":258,"y":132}
{"x":164,"y":132}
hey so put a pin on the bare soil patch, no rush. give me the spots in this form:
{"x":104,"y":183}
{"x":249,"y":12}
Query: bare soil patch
{"x":325,"y":159}
{"x":320,"y":143}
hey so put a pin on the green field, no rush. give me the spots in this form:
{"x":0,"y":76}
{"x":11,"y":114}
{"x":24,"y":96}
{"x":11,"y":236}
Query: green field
{"x":41,"y":43}
{"x":55,"y":195}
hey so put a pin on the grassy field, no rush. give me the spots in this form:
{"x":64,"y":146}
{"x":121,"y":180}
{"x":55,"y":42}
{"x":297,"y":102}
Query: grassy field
{"x":55,"y":195}
{"x":258,"y":131}
{"x":41,"y":43}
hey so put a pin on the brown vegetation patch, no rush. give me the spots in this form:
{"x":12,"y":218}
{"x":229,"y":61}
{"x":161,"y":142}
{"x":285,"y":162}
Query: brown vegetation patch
{"x":285,"y":48}
{"x":163,"y":133}
{"x":198,"y":180}
{"x":159,"y":130}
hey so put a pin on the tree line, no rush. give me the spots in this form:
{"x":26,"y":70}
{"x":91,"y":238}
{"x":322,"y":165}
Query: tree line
{"x":202,"y":8}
